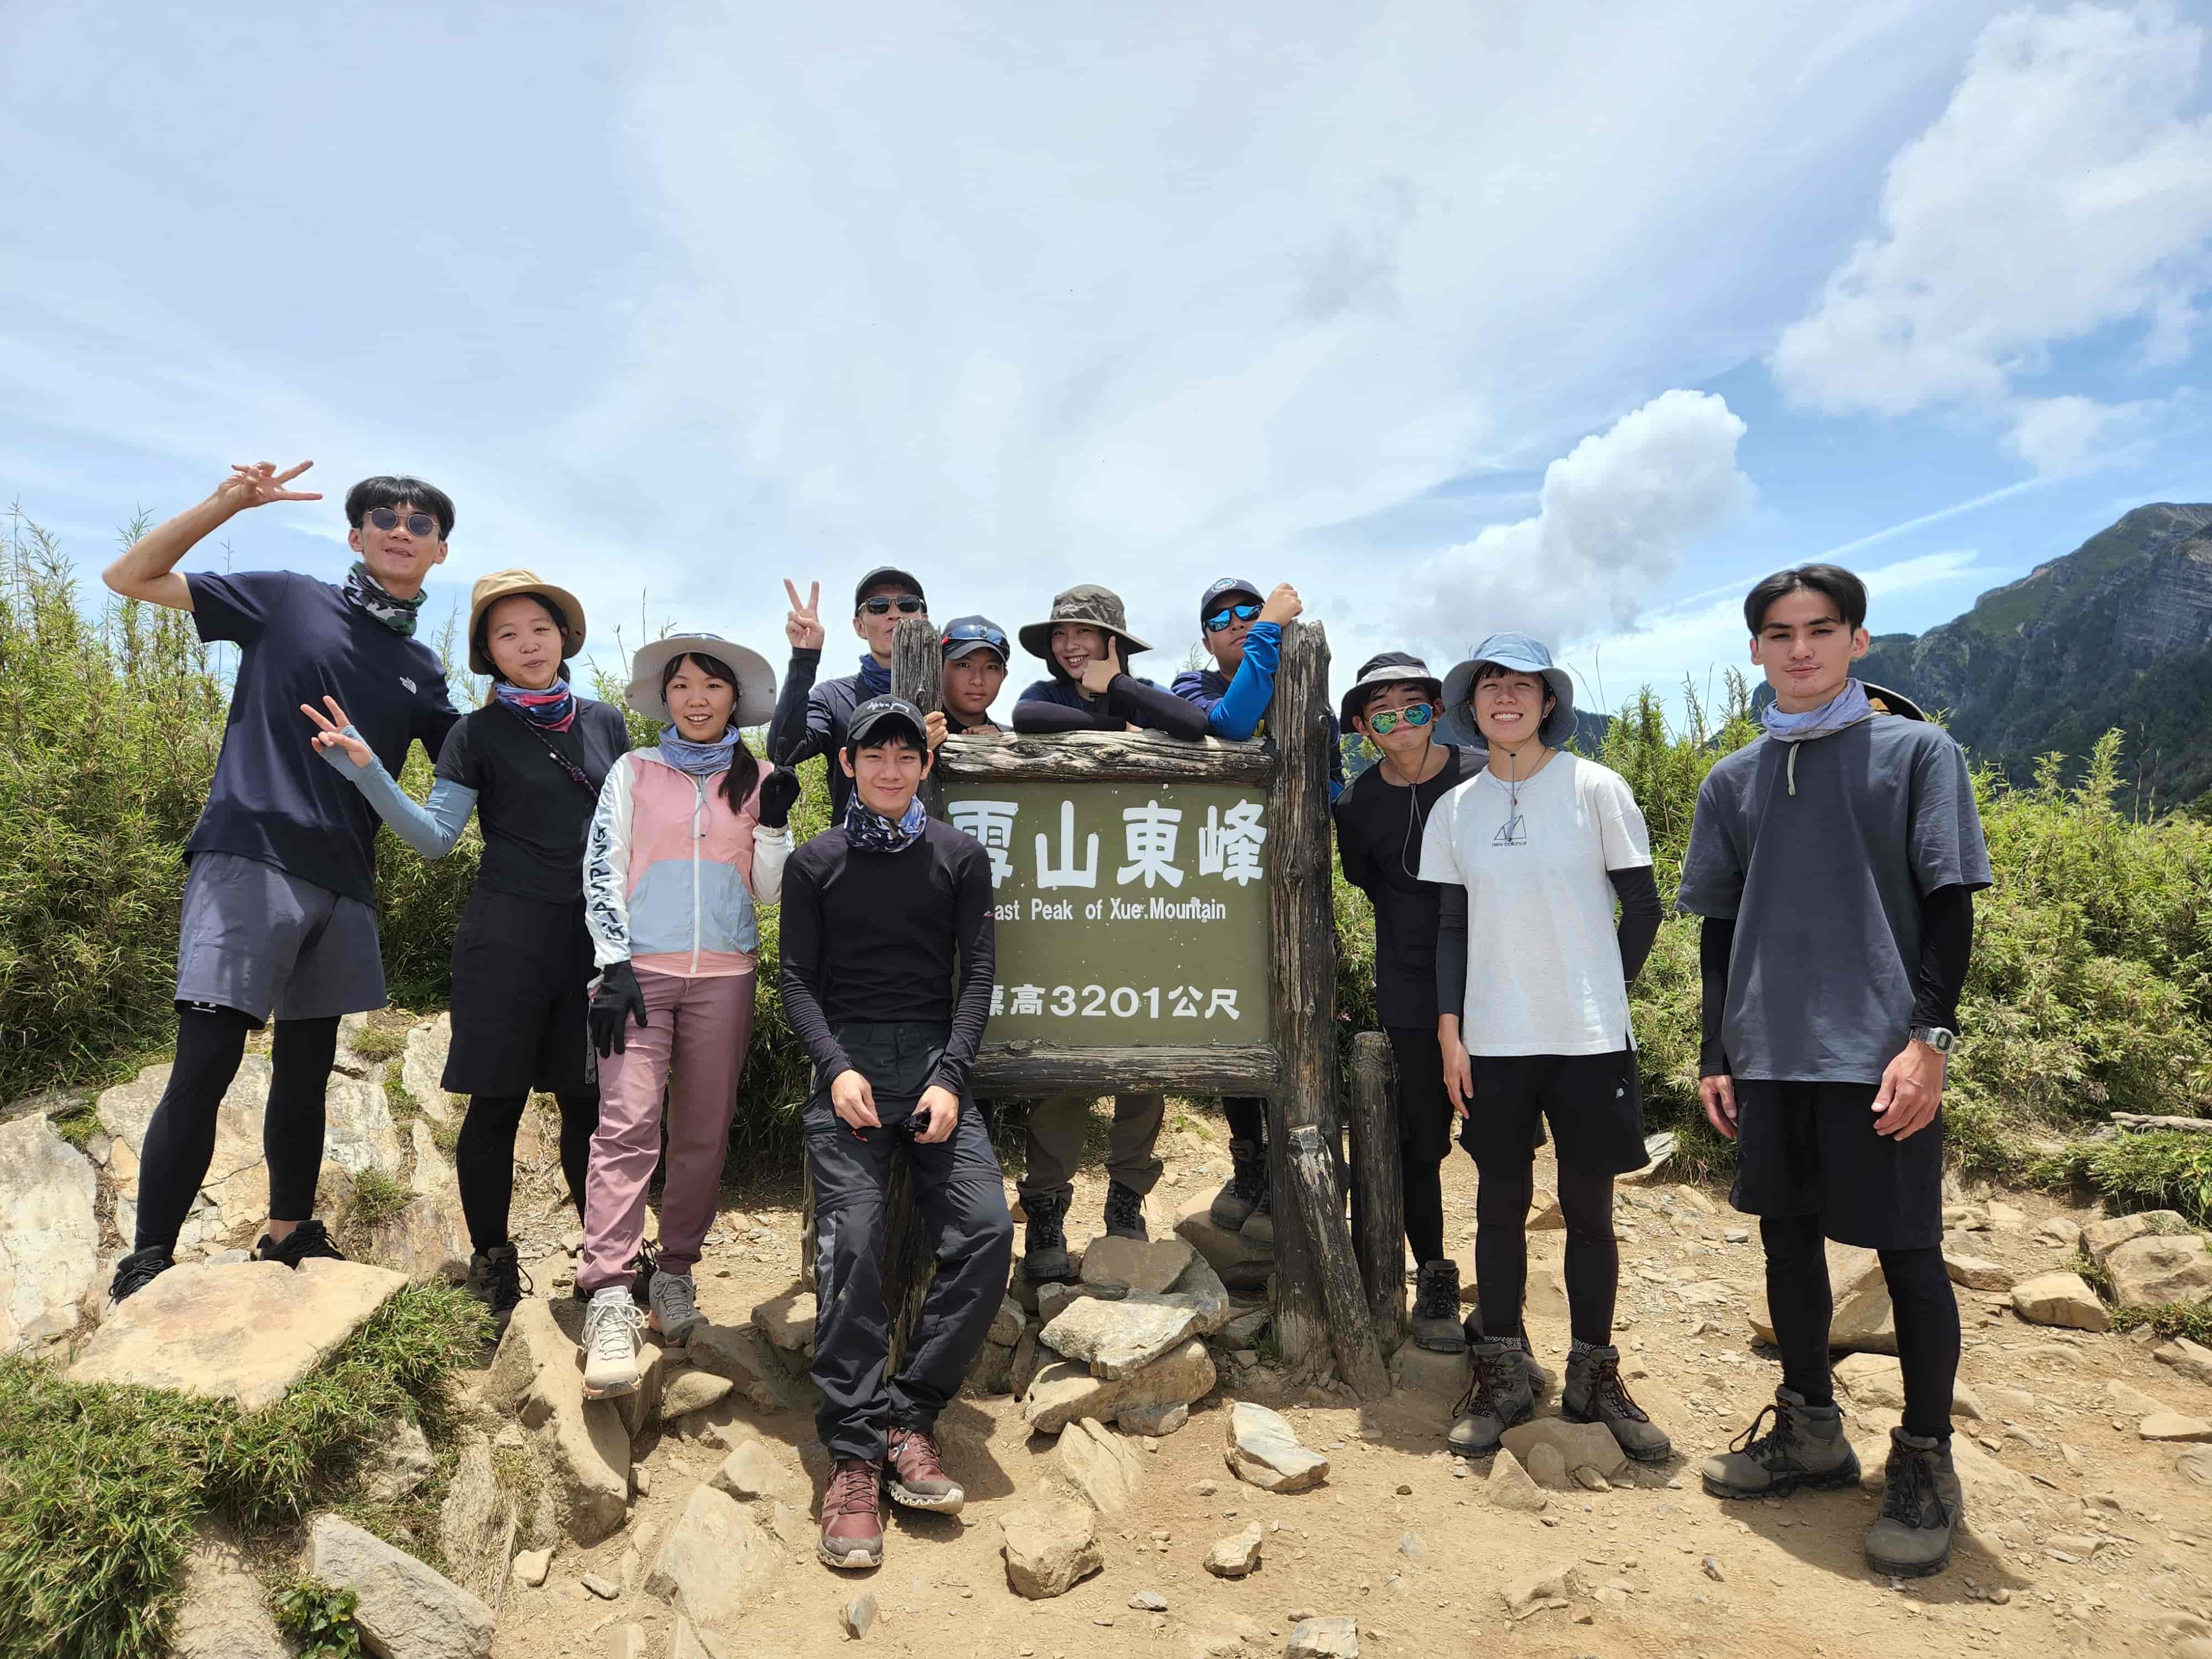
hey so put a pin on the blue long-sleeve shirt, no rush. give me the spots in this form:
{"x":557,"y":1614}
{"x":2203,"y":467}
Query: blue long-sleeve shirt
{"x":1235,"y":707}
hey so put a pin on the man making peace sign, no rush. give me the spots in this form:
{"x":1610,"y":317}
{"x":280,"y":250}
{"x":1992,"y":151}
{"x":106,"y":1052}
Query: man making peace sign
{"x":812,"y":720}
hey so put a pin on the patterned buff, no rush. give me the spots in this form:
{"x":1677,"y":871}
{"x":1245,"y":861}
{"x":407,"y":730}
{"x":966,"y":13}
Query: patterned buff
{"x":871,"y":829}
{"x":875,"y":678}
{"x":554,"y":710}
{"x":699,"y":759}
{"x":365,"y":590}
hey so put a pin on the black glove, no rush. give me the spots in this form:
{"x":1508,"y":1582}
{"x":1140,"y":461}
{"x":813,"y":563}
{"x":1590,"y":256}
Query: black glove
{"x":618,"y":995}
{"x":779,"y":790}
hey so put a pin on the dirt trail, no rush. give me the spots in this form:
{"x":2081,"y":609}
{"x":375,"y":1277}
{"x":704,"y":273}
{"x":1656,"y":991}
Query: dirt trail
{"x":2091,"y":1543}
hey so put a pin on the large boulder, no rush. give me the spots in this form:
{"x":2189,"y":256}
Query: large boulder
{"x":49,"y":1233}
{"x":1238,"y":1555}
{"x":245,"y":1332}
{"x":1065,"y":1391}
{"x":713,"y":1562}
{"x":1141,"y":1266}
{"x":2154,"y":1269}
{"x":538,"y":1377}
{"x":1049,"y":1549}
{"x":1119,"y":1339}
{"x":422,"y":1068}
{"x":2100,"y":1239}
{"x":1864,"y":1319}
{"x":740,"y":1353}
{"x":1262,"y":1448}
{"x":1099,"y":1464}
{"x":405,"y":1609}
{"x":2063,"y":1299}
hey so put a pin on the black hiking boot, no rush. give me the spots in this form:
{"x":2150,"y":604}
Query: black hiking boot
{"x":496,"y":1280}
{"x":135,"y":1271}
{"x":1921,"y":1505}
{"x":1436,"y":1309}
{"x":1804,"y":1447}
{"x":305,"y":1242}
{"x":1044,"y":1242}
{"x":1258,"y":1232}
{"x":1498,"y":1396}
{"x":1240,"y":1194}
{"x":1596,"y":1393}
{"x":1125,"y":1213}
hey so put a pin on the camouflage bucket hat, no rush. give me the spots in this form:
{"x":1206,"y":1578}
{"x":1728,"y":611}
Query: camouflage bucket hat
{"x":1092,"y":605}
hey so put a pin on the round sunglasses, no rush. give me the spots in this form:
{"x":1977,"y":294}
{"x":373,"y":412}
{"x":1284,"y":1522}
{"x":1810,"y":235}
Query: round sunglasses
{"x":419,"y":524}
{"x":1221,"y":620}
{"x":1417,"y":716}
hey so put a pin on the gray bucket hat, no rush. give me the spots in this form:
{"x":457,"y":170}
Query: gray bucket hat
{"x":756,"y":679}
{"x":1092,"y":605}
{"x":1524,"y":655}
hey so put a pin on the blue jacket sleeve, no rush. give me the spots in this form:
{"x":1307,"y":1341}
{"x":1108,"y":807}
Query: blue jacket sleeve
{"x":431,"y":828}
{"x":1242,"y":708}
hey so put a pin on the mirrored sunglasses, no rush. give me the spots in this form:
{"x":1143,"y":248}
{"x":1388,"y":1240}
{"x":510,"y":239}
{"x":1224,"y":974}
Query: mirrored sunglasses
{"x":1236,"y":613}
{"x":968,"y":632}
{"x":419,"y":524}
{"x":908,"y":604}
{"x":1414,"y":715}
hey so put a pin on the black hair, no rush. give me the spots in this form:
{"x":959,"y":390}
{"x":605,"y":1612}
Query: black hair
{"x":744,"y":771}
{"x":893,"y":735}
{"x":384,"y":490}
{"x":480,"y":641}
{"x":1498,"y":671}
{"x":1831,"y":582}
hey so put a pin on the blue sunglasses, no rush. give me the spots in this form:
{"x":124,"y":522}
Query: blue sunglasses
{"x":1221,"y":620}
{"x":967,"y":631}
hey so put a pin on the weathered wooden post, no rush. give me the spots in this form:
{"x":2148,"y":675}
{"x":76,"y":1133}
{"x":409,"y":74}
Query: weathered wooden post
{"x":1379,"y":1199}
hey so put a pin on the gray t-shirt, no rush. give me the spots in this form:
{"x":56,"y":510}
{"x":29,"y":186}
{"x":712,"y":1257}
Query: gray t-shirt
{"x":1826,"y":885}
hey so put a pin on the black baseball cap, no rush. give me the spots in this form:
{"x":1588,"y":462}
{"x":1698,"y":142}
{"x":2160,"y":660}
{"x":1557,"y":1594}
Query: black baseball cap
{"x":1209,"y":601}
{"x":882,"y":576}
{"x":1384,"y":669}
{"x":878,"y":711}
{"x":965,"y":633}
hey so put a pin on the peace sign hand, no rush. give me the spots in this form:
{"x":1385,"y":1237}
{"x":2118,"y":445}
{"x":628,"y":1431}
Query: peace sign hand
{"x":261,"y":483}
{"x":332,"y":733}
{"x":803,"y":627}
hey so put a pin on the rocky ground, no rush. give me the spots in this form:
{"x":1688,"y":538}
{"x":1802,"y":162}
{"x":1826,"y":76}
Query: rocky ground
{"x":680,"y":1524}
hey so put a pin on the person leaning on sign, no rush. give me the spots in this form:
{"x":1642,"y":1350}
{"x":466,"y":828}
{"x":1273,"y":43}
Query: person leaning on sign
{"x":811,"y":719}
{"x":888,"y":954}
{"x":1086,"y":642}
{"x":975,"y":656}
{"x":1379,"y":824}
{"x":1834,"y":860}
{"x":1533,"y":851}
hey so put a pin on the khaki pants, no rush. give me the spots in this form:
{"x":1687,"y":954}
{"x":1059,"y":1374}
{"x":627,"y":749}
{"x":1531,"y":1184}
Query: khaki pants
{"x":1058,"y":1124}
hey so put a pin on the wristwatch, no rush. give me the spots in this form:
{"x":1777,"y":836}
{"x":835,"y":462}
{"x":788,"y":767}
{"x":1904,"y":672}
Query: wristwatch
{"x":1934,"y":1036}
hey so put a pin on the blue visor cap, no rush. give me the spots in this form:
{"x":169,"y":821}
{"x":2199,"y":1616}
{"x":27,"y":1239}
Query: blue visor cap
{"x":965,"y":633}
{"x":1524,"y":655}
{"x":1221,"y":590}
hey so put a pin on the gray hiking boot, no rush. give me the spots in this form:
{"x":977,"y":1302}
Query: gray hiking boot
{"x":675,"y":1301}
{"x":1804,"y":1447}
{"x":1541,"y":1381}
{"x":1258,"y":1231}
{"x":1596,"y":1393}
{"x":1240,"y":1194}
{"x":1436,"y":1309}
{"x":1044,"y":1242}
{"x":1125,"y":1213}
{"x":1920,"y":1507}
{"x":1498,"y":1396}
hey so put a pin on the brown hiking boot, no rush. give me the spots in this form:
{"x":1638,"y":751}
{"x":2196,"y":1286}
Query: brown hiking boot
{"x":852,"y":1516}
{"x":917,"y":1476}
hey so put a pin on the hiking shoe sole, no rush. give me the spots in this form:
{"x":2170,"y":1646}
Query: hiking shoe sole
{"x":951,"y":1504}
{"x":1455,"y":1343}
{"x":679,"y":1335}
{"x":855,"y":1557}
{"x":1909,"y":1569}
{"x":1846,"y":1474}
{"x":616,"y":1392}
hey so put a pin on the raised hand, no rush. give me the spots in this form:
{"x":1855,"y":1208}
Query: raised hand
{"x":1283,"y":606}
{"x":332,"y":733}
{"x":935,"y":729}
{"x":803,"y":627}
{"x":1098,"y":673}
{"x":261,"y":483}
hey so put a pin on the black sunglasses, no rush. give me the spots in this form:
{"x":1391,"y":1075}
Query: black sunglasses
{"x":1221,"y":620}
{"x":420,"y":524}
{"x":881,"y":604}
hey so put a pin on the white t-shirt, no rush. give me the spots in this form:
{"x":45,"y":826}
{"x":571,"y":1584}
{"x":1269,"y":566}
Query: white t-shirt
{"x":1543,"y":965}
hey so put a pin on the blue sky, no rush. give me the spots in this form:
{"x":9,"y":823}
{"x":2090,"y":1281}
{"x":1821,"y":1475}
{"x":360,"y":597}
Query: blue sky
{"x":1574,"y":318}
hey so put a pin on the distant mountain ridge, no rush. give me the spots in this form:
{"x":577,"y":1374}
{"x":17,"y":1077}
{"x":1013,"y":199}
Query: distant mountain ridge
{"x":2117,"y":633}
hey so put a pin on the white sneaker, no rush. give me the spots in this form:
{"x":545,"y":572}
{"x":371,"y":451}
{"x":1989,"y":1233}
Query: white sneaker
{"x":675,"y":1306}
{"x":614,"y":1330}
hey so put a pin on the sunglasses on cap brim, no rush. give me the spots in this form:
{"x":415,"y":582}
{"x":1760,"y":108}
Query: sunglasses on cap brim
{"x":974,"y":635}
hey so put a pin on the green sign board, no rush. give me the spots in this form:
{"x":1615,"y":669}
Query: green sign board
{"x":1129,"y":913}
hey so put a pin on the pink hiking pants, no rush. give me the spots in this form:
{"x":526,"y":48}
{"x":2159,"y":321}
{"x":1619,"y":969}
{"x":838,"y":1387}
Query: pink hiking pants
{"x":703,"y":1026}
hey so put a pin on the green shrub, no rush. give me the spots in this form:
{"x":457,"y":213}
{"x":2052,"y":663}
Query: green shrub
{"x":2166,"y":1169}
{"x":319,"y":1617}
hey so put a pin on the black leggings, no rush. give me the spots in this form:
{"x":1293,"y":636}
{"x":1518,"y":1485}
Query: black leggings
{"x":484,"y":1158}
{"x":180,"y":1137}
{"x":1420,"y":1178}
{"x":1799,"y":1301}
{"x":1501,"y":1251}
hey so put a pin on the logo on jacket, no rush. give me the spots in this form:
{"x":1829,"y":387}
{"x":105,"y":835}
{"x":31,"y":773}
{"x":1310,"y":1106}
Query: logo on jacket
{"x":409,"y":684}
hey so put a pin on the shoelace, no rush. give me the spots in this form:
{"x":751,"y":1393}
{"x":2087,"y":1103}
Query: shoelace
{"x":507,"y":1281}
{"x":614,"y":1333}
{"x":310,"y":1238}
{"x":678,"y":1295}
{"x":1478,"y":1401}
{"x":1758,"y":1447}
{"x":1909,"y":1488}
{"x":852,"y":1490}
{"x":1607,"y":1388}
{"x":933,"y":1455}
{"x":1434,"y":1299}
{"x":136,"y":1277}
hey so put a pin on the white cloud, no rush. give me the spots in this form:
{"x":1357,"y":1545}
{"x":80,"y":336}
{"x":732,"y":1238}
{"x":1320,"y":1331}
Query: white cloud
{"x":1614,"y":515}
{"x":2065,"y":190}
{"x":2064,"y":436}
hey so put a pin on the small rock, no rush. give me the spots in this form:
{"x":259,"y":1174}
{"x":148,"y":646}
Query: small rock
{"x":1141,"y":1266}
{"x":1590,"y":1480}
{"x":1547,"y":1467}
{"x":858,"y":1614}
{"x":1509,"y":1486}
{"x":1235,"y":1557}
{"x":1262,"y":1449}
{"x":691,"y":1390}
{"x":1976,"y":1273}
{"x":1149,"y":1601}
{"x":605,"y":1589}
{"x":1323,"y":1638}
{"x":750,"y":1472}
{"x":1539,"y":1592}
{"x":2062,"y":1300}
{"x":1712,"y":1570}
{"x":1410,"y":1545}
{"x":1160,"y":1420}
{"x":2059,"y":1233}
{"x":1202,"y":1488}
{"x":1049,"y":1548}
{"x":2174,"y":1425}
{"x":1577,"y":1443}
{"x":531,"y":1566}
{"x":2190,"y":1359}
{"x":626,"y":1642}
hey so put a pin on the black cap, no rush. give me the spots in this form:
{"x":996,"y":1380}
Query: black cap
{"x":965,"y":633}
{"x":882,"y":576}
{"x":878,"y":711}
{"x":1227,"y":585}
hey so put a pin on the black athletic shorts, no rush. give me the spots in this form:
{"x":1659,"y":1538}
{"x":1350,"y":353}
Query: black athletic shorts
{"x":1424,"y":1113}
{"x":1594,"y":1103}
{"x":521,"y":1010}
{"x":1810,"y":1149}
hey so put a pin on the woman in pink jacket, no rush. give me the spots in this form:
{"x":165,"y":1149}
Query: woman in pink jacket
{"x":688,"y":839}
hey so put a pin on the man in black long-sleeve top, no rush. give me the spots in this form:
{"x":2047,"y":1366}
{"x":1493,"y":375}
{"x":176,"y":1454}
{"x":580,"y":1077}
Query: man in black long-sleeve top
{"x":813,"y":719}
{"x":888,"y":954}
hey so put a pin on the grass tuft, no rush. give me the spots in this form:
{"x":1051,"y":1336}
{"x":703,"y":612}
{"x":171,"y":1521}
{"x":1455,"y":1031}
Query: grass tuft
{"x":2192,"y":1320}
{"x":380,"y":1042}
{"x":375,"y":1197}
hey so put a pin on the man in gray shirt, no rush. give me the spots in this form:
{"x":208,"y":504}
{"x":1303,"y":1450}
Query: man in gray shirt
{"x":1833,"y":860}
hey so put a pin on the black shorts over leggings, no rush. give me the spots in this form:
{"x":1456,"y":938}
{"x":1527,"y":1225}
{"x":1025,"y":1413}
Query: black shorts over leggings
{"x":1594,"y":1103}
{"x":1810,"y":1149}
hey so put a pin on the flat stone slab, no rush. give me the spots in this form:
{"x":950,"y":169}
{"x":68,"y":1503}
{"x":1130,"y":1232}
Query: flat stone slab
{"x":49,"y":1233}
{"x":2062,"y":1300}
{"x":1144,"y":1265}
{"x":245,"y":1332}
{"x":788,"y":1322}
{"x":1262,"y":1449}
{"x":1065,"y":1391}
{"x":1580,"y":1445}
{"x":403,"y":1606}
{"x":1119,"y":1339}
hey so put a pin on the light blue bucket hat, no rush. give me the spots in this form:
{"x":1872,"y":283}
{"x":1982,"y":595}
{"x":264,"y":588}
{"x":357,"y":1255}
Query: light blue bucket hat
{"x":1524,"y":655}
